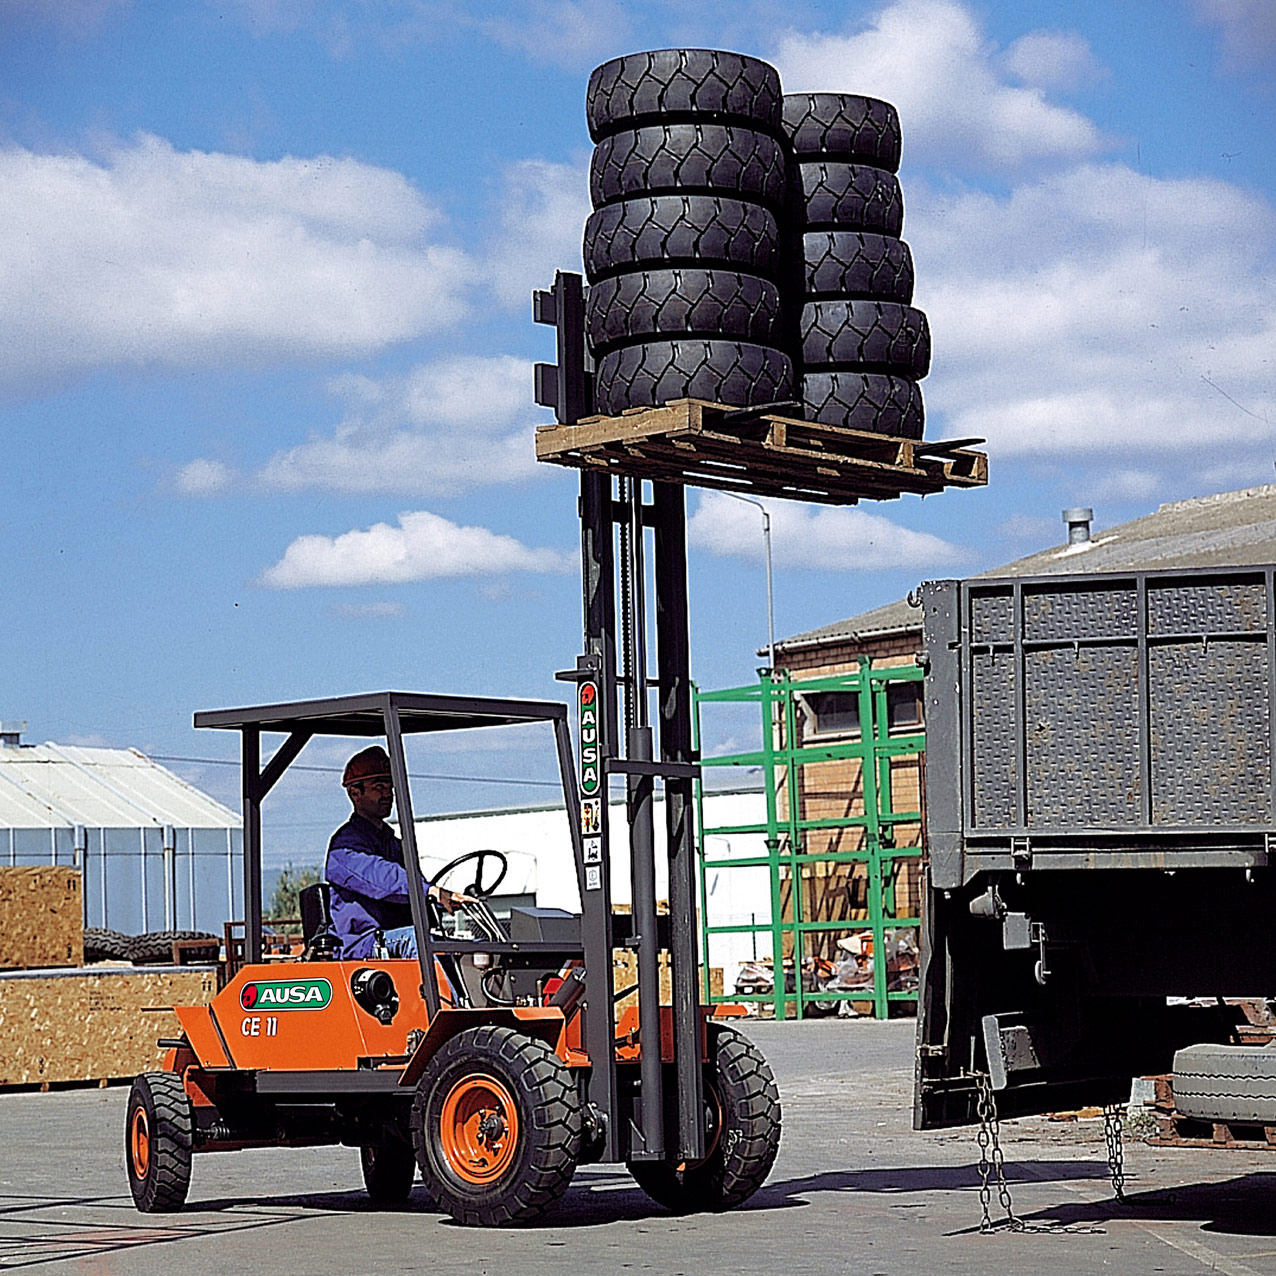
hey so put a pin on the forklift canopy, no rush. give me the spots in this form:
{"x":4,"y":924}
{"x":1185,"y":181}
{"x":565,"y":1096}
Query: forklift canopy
{"x":365,"y":715}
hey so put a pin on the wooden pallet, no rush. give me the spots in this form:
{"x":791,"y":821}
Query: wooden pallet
{"x":1184,"y":1132}
{"x":750,"y":450}
{"x":1178,"y":1131}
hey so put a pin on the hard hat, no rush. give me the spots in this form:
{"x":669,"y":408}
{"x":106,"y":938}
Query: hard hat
{"x":368,"y":764}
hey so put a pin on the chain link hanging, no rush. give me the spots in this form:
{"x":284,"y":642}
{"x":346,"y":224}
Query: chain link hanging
{"x":992,"y":1162}
{"x":992,"y":1168}
{"x":1114,"y":1137}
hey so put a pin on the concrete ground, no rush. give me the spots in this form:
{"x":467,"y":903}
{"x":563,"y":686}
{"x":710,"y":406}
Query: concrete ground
{"x":854,"y":1189}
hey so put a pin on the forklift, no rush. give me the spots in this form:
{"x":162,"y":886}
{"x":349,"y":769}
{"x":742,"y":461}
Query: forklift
{"x":495,"y":1063}
{"x":478,"y":1062}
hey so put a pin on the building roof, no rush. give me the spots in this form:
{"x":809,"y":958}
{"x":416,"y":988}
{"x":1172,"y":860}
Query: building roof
{"x":59,"y":786}
{"x":894,"y":618}
{"x":1230,"y":529}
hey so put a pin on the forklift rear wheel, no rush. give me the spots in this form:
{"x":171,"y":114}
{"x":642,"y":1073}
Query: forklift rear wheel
{"x":497,"y":1127}
{"x":158,"y":1135}
{"x":744,"y":1134}
{"x":388,"y":1170}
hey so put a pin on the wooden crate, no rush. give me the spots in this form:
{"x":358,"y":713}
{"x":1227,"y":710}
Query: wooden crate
{"x":91,"y":1025}
{"x":41,"y":917}
{"x":706,"y":444}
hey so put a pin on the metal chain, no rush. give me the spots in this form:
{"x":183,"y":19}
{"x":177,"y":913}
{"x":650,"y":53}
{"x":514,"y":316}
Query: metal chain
{"x":992,"y":1166}
{"x":1113,"y":1135}
{"x":992,"y":1161}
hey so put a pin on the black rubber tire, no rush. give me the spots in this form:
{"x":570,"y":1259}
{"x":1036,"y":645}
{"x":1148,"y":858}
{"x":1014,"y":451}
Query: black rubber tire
{"x":160,"y":1179}
{"x":646,"y":304}
{"x":715,"y":159}
{"x":736,"y":373}
{"x":156,"y":946}
{"x":681,"y":230}
{"x":866,"y":336}
{"x":819,"y":1009}
{"x":872,"y":401}
{"x":843,"y":126}
{"x":389,"y":1168}
{"x":747,"y":1140}
{"x":105,"y":945}
{"x":841,"y":196}
{"x":850,"y":263}
{"x":550,"y":1126}
{"x":668,"y":83}
{"x":1226,"y":1083}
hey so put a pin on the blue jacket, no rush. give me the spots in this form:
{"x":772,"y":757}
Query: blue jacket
{"x":369,"y":884}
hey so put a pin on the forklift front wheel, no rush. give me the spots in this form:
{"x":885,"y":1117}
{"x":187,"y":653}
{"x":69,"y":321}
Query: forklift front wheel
{"x":497,"y":1127}
{"x":743,"y":1141}
{"x":158,"y":1136}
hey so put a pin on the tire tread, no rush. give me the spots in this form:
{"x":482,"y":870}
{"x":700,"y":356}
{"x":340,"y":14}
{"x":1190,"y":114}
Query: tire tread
{"x":725,"y":159}
{"x":172,"y":1144}
{"x":669,"y":83}
{"x":737,"y":373}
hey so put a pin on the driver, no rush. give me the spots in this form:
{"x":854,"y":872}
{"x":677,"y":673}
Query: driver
{"x":365,"y":866}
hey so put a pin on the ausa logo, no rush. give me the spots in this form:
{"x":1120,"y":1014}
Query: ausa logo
{"x":286,"y":994}
{"x":590,"y":768}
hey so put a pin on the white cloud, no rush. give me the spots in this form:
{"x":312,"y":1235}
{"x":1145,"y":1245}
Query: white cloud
{"x":423,"y":546}
{"x":543,"y":211}
{"x":154,"y":256}
{"x":565,"y":33}
{"x":1101,"y":312}
{"x":807,"y":536}
{"x":447,"y":426}
{"x":931,"y":60}
{"x":1028,"y":527}
{"x":1051,"y":60}
{"x":1248,"y":28}
{"x":1126,"y":485}
{"x":203,"y":477}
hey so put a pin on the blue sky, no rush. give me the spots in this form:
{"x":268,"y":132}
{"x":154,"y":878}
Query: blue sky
{"x":265,"y":280}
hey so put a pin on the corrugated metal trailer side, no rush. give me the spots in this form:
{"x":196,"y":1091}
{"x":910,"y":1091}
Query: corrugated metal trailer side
{"x":1119,"y":721}
{"x":1099,"y":817}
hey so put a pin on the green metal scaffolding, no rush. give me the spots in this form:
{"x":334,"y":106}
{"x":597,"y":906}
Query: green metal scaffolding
{"x":786,"y":830}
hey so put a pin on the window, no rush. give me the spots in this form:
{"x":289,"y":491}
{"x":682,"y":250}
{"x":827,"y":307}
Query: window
{"x":903,"y":705}
{"x":832,"y":712}
{"x":838,"y":712}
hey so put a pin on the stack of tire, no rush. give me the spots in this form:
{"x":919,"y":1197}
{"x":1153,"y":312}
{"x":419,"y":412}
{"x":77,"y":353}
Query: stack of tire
{"x":862,"y":347}
{"x":688,"y":180}
{"x":153,"y":948}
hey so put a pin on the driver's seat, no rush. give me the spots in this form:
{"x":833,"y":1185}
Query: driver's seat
{"x":319,"y":941}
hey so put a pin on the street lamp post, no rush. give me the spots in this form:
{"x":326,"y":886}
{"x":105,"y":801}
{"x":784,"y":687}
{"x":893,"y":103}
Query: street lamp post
{"x":770,"y":596}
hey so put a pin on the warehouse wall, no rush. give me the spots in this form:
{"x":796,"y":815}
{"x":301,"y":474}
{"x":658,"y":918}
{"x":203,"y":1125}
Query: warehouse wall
{"x":132,"y":883}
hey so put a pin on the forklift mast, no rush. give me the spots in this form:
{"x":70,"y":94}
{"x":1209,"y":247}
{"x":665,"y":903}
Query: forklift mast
{"x":616,"y":514}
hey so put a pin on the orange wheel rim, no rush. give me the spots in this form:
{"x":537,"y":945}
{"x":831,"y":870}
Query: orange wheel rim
{"x":140,"y":1143}
{"x":478,"y":1128}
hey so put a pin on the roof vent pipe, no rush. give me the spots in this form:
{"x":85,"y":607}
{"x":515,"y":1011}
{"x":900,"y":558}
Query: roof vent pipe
{"x":1078,"y":521}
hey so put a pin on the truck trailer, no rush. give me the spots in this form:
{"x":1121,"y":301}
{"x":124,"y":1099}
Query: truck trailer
{"x":1099,"y":813}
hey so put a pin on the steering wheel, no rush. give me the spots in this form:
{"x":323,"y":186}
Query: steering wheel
{"x":477,"y":888}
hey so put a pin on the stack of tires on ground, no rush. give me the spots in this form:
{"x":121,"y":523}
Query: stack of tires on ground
{"x":153,"y":948}
{"x":745,"y":246}
{"x":688,"y":181}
